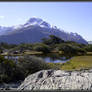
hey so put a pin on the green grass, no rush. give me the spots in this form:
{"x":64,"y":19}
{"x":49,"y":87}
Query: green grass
{"x":55,"y":65}
{"x":6,"y":53}
{"x":89,"y":53}
{"x":32,"y":52}
{"x":77,"y":63}
{"x":25,"y":53}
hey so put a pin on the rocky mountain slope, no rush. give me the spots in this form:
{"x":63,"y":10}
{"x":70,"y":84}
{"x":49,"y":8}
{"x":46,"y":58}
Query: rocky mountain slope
{"x":58,"y":79}
{"x":33,"y":31}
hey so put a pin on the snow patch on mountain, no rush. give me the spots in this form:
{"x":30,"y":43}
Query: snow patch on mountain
{"x":37,"y":22}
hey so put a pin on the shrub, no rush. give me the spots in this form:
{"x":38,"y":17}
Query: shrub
{"x":21,"y":48}
{"x":32,"y":64}
{"x":7,"y":68}
{"x":71,"y":49}
{"x":42,"y":47}
{"x":88,"y":48}
{"x":4,"y":78}
{"x":52,"y":40}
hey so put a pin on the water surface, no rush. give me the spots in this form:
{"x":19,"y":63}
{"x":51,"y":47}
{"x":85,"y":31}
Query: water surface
{"x":52,"y":57}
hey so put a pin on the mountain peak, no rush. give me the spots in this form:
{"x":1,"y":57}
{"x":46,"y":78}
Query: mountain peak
{"x":38,"y":22}
{"x":35,"y":29}
{"x":35,"y":20}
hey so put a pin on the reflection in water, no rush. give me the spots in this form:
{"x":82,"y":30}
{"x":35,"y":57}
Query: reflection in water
{"x":48,"y":59}
{"x":55,"y":58}
{"x":14,"y":58}
{"x":52,"y":57}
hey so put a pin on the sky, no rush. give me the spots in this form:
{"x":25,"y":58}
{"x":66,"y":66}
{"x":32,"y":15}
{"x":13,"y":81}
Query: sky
{"x":70,"y":16}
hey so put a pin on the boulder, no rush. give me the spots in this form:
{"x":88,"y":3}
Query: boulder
{"x":58,"y":79}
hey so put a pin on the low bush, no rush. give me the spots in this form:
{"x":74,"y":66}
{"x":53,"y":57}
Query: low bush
{"x":32,"y":64}
{"x":71,"y":49}
{"x":42,"y":47}
{"x":88,"y":48}
{"x":7,"y":68}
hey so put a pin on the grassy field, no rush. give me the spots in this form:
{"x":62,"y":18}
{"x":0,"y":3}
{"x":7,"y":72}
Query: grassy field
{"x":77,"y":63}
{"x":25,"y":53}
{"x":32,"y":52}
{"x":89,"y":53}
{"x":55,"y":65}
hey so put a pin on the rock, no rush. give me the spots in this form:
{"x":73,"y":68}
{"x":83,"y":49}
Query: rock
{"x":58,"y":79}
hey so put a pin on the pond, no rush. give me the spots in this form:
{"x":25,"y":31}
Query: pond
{"x":55,"y":58}
{"x":51,"y":57}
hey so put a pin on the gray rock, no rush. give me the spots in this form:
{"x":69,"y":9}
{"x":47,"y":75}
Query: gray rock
{"x":58,"y":79}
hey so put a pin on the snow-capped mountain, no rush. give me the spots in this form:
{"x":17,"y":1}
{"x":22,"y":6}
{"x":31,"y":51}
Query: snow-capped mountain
{"x":37,"y":22}
{"x":33,"y":31}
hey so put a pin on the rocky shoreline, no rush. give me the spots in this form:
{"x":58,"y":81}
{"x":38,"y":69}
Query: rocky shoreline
{"x":58,"y":79}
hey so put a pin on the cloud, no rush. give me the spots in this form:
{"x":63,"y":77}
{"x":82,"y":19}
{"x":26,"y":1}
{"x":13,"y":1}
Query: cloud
{"x":2,"y":17}
{"x":20,"y":19}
